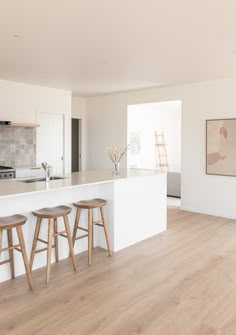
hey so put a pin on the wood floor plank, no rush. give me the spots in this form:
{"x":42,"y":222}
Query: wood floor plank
{"x":175,"y":283}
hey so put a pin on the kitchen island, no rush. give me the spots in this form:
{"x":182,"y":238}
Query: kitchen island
{"x":136,"y":208}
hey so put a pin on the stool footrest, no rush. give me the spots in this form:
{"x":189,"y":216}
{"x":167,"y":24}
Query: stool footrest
{"x":43,"y":249}
{"x":10,"y":248}
{"x":62,"y":234}
{"x":42,"y":241}
{"x":79,"y":237}
{"x":18,"y":249}
{"x":99,"y":224}
{"x":5,"y":262}
{"x":84,"y":229}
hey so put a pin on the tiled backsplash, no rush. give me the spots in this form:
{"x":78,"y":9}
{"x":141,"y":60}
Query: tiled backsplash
{"x":17,"y":146}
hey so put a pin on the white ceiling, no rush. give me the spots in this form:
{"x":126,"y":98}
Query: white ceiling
{"x":99,"y":46}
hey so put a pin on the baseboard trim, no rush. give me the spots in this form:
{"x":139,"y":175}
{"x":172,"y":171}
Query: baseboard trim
{"x":200,"y":211}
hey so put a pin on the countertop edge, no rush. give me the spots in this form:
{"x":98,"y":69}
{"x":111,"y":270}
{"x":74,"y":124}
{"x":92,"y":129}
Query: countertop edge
{"x":150,"y":173}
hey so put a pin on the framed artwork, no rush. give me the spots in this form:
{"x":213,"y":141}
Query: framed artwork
{"x":135,"y":143}
{"x":221,"y":147}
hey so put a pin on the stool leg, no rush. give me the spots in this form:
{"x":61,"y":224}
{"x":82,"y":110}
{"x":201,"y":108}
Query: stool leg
{"x":104,"y":219}
{"x":90,"y":233}
{"x":56,"y":240}
{"x":67,"y":226}
{"x":49,"y":250}
{"x":11,"y":253}
{"x":36,"y":235}
{"x":76,"y":225}
{"x":92,"y":228}
{"x":24,"y":255}
{"x":0,"y":243}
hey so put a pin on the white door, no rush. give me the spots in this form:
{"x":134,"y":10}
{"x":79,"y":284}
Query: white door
{"x":50,"y":139}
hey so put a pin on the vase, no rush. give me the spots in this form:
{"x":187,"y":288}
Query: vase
{"x":116,"y":169}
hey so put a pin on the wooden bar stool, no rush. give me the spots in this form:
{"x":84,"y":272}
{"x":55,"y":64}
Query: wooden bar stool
{"x":8,"y":223}
{"x":52,"y":214}
{"x":90,"y":205}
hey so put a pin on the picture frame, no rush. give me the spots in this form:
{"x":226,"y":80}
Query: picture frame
{"x":221,"y":147}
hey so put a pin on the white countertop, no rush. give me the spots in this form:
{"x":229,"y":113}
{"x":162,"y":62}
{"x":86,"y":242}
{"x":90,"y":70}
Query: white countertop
{"x":13,"y":187}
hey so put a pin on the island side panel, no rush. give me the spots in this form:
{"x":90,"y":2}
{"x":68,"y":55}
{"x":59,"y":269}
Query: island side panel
{"x":140,"y":209}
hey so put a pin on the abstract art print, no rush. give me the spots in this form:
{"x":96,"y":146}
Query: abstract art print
{"x":221,"y":147}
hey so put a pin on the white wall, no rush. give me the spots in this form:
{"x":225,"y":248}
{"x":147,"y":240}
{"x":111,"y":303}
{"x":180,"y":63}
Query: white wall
{"x":20,"y":103}
{"x":146,"y":119}
{"x":107,"y":123}
{"x":79,"y":112}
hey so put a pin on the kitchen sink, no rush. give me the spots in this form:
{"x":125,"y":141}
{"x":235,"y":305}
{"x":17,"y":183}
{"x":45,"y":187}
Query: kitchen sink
{"x":34,"y":180}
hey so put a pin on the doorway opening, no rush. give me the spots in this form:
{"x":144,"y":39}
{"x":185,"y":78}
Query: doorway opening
{"x":154,"y":138}
{"x":75,"y":145}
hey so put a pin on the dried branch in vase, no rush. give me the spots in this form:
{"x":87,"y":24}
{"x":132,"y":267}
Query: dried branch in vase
{"x":115,"y":152}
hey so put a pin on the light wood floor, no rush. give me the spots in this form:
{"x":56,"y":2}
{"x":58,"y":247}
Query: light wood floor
{"x":182,"y":282}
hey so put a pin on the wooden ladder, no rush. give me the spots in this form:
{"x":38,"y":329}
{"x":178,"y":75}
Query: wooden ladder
{"x":161,"y":151}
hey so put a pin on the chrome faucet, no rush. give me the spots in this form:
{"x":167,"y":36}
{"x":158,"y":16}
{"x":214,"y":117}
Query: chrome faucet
{"x":47,"y":169}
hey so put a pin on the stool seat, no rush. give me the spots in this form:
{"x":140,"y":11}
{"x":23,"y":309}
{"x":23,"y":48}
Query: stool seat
{"x":92,"y":203}
{"x":52,"y":212}
{"x":12,"y":221}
